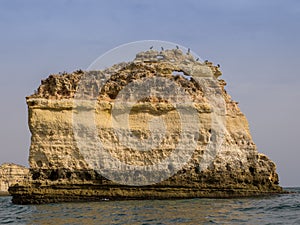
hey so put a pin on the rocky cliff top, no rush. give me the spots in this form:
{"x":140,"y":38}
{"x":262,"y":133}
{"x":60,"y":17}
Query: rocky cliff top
{"x":172,"y":64}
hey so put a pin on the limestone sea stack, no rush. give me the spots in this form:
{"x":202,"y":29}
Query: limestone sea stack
{"x":11,"y":174}
{"x":167,"y":129}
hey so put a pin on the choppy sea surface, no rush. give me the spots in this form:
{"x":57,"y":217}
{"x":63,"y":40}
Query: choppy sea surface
{"x":278,"y":209}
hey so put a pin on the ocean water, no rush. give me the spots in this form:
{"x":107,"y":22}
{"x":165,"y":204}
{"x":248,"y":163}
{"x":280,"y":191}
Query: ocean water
{"x":279,"y":209}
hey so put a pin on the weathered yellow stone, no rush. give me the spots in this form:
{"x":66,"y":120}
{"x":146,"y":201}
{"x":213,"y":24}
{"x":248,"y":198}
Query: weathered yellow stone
{"x":60,"y":171}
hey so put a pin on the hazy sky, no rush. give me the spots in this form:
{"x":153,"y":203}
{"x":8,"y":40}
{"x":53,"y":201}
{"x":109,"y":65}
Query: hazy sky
{"x":255,"y":41}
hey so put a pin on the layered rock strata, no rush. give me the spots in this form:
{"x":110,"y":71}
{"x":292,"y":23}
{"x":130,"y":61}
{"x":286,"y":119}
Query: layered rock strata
{"x":221,"y":160}
{"x":11,"y":174}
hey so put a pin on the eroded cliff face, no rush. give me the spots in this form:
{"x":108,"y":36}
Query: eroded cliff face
{"x":11,"y":174}
{"x":61,"y":171}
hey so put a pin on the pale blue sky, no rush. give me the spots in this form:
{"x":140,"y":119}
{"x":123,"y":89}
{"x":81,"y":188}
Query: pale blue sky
{"x":255,"y":41}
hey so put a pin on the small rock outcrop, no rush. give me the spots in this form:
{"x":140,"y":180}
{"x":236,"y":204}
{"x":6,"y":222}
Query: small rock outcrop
{"x":221,"y":158}
{"x":11,"y":174}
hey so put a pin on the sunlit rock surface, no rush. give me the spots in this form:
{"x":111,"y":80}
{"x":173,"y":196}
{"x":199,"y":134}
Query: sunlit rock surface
{"x":11,"y":174}
{"x":224,"y":160}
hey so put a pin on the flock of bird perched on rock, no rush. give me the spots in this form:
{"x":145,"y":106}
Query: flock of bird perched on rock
{"x":188,"y":52}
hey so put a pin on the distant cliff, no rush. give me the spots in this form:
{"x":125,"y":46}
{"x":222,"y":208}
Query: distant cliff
{"x":11,"y":174}
{"x":220,"y":158}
